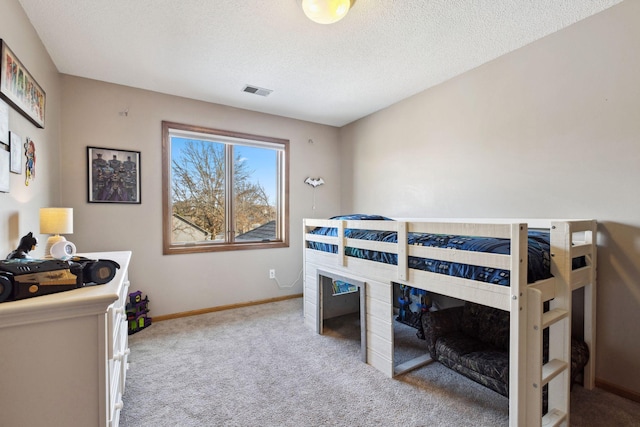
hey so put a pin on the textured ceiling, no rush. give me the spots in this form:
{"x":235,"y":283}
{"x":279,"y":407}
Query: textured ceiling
{"x":382,"y":52}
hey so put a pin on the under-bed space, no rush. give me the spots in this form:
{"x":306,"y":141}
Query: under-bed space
{"x":512,"y":265}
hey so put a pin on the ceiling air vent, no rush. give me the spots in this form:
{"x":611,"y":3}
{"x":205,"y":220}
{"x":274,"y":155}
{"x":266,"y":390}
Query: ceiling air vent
{"x":257,"y":90}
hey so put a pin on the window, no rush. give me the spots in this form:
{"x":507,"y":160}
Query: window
{"x":223,"y":190}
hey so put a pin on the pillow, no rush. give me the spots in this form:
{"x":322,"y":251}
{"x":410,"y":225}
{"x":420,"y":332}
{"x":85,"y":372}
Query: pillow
{"x":362,"y":217}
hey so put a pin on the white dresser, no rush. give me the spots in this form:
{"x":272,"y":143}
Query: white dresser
{"x":63,"y":357}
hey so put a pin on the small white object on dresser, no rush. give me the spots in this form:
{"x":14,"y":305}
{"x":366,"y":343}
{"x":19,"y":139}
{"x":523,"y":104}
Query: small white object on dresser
{"x":63,"y":356}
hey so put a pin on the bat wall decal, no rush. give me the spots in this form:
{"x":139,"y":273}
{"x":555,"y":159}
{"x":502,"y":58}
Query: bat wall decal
{"x":314,"y":182}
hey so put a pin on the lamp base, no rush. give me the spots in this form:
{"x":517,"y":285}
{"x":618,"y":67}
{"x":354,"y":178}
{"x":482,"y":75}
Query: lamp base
{"x":52,"y":240}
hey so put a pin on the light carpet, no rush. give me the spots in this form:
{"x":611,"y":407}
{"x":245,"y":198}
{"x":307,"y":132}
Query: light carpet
{"x":260,"y":366}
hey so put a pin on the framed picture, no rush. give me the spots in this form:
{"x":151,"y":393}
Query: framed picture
{"x":4,"y":170}
{"x":4,"y":122}
{"x":19,"y":89}
{"x":113,"y":175}
{"x":16,"y":148}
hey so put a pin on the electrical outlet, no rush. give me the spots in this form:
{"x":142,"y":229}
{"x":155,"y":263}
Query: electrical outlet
{"x":272,"y":274}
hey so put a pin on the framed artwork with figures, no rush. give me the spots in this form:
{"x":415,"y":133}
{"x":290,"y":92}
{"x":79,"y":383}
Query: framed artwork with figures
{"x":113,"y":175}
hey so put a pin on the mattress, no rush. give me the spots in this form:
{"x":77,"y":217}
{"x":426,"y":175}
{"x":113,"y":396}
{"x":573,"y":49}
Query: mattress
{"x":539,"y":264}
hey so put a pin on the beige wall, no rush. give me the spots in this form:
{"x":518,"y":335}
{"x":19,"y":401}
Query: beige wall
{"x":551,"y":130}
{"x":19,"y":208}
{"x":178,"y":283}
{"x":561,"y":115}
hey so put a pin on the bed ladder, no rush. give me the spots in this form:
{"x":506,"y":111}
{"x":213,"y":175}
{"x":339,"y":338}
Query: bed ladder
{"x":556,"y":372}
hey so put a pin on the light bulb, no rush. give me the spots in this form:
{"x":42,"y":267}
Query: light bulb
{"x":326,"y":11}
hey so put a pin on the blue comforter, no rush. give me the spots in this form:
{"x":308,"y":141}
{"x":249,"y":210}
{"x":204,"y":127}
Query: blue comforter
{"x":538,"y":251}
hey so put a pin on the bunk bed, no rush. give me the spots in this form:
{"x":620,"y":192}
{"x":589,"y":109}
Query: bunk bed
{"x":443,"y":256}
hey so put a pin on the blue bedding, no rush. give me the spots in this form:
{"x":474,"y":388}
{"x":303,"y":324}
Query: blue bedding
{"x":538,"y":251}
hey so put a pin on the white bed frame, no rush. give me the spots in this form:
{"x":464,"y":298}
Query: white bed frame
{"x":569,"y":239}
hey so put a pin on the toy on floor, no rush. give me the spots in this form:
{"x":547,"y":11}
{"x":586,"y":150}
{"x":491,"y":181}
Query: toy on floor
{"x":137,"y":309}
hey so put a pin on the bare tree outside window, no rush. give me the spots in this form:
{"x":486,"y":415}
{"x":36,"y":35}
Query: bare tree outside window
{"x":223,"y":190}
{"x":198,"y":185}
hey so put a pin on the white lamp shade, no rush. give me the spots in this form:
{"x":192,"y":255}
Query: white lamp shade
{"x":56,"y":220}
{"x":326,"y":11}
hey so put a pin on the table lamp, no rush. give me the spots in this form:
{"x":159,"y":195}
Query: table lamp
{"x":55,"y":221}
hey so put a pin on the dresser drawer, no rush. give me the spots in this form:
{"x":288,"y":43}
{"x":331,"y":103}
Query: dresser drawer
{"x":117,"y":366}
{"x":117,"y":352}
{"x":114,"y":415}
{"x":116,"y":315}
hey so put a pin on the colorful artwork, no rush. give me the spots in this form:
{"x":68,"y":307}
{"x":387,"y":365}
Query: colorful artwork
{"x":19,"y":89}
{"x":30,"y":152}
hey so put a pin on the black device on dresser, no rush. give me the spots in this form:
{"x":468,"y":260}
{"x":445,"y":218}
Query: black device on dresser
{"x":25,"y":278}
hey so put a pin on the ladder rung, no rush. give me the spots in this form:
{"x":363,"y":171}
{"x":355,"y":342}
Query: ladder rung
{"x":553,"y":418}
{"x":553,"y":316}
{"x":547,"y":287}
{"x":581,"y":249}
{"x":552,"y":369}
{"x":581,"y":277}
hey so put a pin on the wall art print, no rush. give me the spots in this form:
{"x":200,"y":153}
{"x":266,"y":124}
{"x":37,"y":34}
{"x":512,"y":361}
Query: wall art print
{"x":4,"y":122}
{"x":4,"y":170}
{"x":19,"y":88}
{"x":15,"y":148}
{"x":113,"y":175}
{"x":30,"y":164}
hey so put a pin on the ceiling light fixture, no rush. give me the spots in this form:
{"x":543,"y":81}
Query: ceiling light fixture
{"x":326,"y":11}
